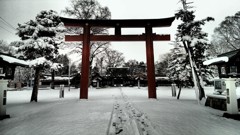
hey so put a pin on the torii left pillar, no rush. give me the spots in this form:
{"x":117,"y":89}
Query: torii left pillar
{"x":85,"y":62}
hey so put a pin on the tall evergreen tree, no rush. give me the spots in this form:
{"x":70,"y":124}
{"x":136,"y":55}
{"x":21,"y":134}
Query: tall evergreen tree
{"x":40,"y":43}
{"x":194,"y":41}
{"x":178,"y":70}
{"x":178,"y":66}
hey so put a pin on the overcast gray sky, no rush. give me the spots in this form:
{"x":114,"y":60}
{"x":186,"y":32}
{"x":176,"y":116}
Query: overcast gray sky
{"x":20,"y":11}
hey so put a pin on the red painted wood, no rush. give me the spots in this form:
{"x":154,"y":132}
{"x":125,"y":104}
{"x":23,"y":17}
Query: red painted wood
{"x":150,"y":63}
{"x":118,"y":31}
{"x":85,"y":63}
{"x":118,"y":37}
{"x":123,"y":23}
{"x":149,"y":37}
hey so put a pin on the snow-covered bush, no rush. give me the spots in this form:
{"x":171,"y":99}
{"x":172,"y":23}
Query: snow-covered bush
{"x":179,"y":70}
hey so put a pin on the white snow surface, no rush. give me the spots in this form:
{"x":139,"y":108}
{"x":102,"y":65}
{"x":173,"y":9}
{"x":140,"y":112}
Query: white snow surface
{"x":56,"y":66}
{"x":39,"y":61}
{"x":58,"y":78}
{"x":215,"y":60}
{"x":13,"y":60}
{"x":187,"y":38}
{"x":113,"y":110}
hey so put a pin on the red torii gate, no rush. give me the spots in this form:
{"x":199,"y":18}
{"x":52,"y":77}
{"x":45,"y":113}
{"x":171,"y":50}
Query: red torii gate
{"x":148,"y":36}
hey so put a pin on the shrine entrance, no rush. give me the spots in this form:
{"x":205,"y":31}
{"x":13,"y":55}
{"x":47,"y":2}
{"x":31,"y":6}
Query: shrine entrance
{"x":148,"y":37}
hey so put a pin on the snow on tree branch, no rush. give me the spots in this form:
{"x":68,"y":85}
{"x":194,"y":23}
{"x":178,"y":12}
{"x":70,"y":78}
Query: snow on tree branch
{"x":39,"y":61}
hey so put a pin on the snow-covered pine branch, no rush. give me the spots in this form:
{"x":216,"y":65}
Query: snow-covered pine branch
{"x":41,"y":61}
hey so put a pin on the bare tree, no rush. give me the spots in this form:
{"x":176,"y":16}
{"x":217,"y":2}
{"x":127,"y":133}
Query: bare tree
{"x":109,"y":58}
{"x":162,"y":64}
{"x":6,"y":48}
{"x":22,"y":74}
{"x":226,"y":35}
{"x":100,"y":63}
{"x":90,"y":9}
{"x":114,"y":58}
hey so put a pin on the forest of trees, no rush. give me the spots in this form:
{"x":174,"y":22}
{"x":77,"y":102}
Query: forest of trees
{"x":42,"y":43}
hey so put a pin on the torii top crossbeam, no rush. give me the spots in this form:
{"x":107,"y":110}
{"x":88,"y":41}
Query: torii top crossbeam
{"x":148,"y":37}
{"x":123,"y":23}
{"x":118,"y":24}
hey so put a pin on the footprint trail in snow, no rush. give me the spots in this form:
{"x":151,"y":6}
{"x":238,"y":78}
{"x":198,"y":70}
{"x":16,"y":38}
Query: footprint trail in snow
{"x":127,"y":120}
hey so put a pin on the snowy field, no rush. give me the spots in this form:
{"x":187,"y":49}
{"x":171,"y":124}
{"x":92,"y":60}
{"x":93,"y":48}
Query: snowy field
{"x":123,"y":111}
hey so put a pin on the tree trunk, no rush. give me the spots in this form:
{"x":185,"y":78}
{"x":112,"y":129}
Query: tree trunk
{"x":36,"y":85}
{"x":90,"y":74}
{"x":199,"y":85}
{"x":179,"y":91}
{"x":69,"y":74}
{"x":139,"y":83}
{"x":53,"y":80}
{"x":196,"y":79}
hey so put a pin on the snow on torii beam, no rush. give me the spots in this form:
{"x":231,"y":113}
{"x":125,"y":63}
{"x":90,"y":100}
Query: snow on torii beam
{"x":148,"y":37}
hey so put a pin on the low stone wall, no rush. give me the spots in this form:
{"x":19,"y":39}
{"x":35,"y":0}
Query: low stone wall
{"x":218,"y":102}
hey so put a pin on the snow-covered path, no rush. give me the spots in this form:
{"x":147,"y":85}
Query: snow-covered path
{"x":71,"y":116}
{"x":127,"y":120}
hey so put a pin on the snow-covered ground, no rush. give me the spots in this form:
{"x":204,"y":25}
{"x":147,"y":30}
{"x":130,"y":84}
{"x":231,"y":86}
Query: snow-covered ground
{"x":123,"y":110}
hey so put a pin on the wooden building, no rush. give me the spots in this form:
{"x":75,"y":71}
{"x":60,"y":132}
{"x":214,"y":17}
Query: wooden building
{"x":8,"y":64}
{"x":228,"y":65}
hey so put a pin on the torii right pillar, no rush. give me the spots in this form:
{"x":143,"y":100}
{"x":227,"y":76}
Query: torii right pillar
{"x":150,"y":63}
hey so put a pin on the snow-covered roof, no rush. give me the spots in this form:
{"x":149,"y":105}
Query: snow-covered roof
{"x":216,"y":60}
{"x":13,"y":60}
{"x":225,"y":57}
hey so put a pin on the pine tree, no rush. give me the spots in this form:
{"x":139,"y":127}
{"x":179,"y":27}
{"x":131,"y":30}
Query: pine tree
{"x":178,"y":66}
{"x":40,"y":43}
{"x":194,"y":40}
